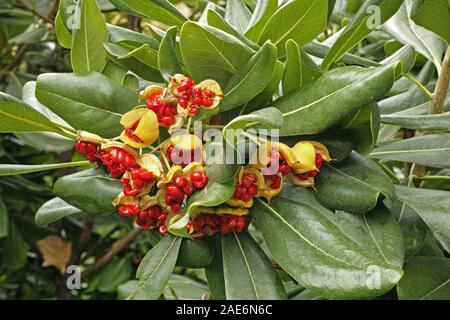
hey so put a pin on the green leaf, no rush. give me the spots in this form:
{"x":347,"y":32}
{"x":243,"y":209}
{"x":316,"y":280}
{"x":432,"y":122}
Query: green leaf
{"x":214,"y":272}
{"x":251,"y":78}
{"x":54,"y":210}
{"x":360,"y":182}
{"x":126,"y":289}
{"x":88,"y":53}
{"x":435,"y":122}
{"x":402,"y":28}
{"x":91,"y":190}
{"x":247,"y":271}
{"x":156,"y":268}
{"x":16,"y":116}
{"x":364,"y":127}
{"x":3,"y":219}
{"x":210,"y":53}
{"x":89,"y":102}
{"x":215,"y":20}
{"x":14,"y":169}
{"x":116,"y":273}
{"x":426,"y":278}
{"x":237,"y":14}
{"x":264,"y":10}
{"x":195,"y":254}
{"x":300,"y":69}
{"x":343,"y":91}
{"x":43,"y":141}
{"x":433,"y":15}
{"x":159,"y":10}
{"x":359,"y":28}
{"x":129,"y":38}
{"x":430,"y":150}
{"x":431,"y":205}
{"x":142,"y":60}
{"x":63,"y":34}
{"x":167,"y":55}
{"x":15,"y":249}
{"x":212,"y":195}
{"x":337,"y":255}
{"x":184,"y":288}
{"x":299,"y":20}
{"x":407,"y":55}
{"x":114,"y":71}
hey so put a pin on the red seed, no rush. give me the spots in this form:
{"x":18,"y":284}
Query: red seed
{"x":175,"y":207}
{"x":252,"y":190}
{"x":172,"y":191}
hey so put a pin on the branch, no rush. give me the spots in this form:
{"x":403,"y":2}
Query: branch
{"x":25,"y":5}
{"x":16,"y":60}
{"x":117,"y":247}
{"x":440,"y":93}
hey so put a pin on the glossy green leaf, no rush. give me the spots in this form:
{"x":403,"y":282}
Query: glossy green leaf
{"x":264,"y":10}
{"x":63,"y":34}
{"x":214,"y":272}
{"x":142,"y":60}
{"x":426,"y":278}
{"x":14,"y":169}
{"x":299,"y":20}
{"x":53,"y":210}
{"x":156,"y":268}
{"x":16,"y":116}
{"x":129,"y":38}
{"x":364,"y":127}
{"x":92,"y":191}
{"x":407,"y":55}
{"x":87,"y":53}
{"x":167,"y":55}
{"x":402,"y":28}
{"x":300,"y":69}
{"x":126,"y":289}
{"x":337,"y":255}
{"x":4,"y":221}
{"x":89,"y":102}
{"x":360,"y":27}
{"x":43,"y":141}
{"x":343,"y":91}
{"x":210,"y":53}
{"x":431,"y":205}
{"x":114,"y":71}
{"x":159,"y":10}
{"x":435,"y":122}
{"x":360,"y":181}
{"x":247,"y":271}
{"x":433,"y":15}
{"x":184,"y":288}
{"x":237,"y":14}
{"x":430,"y":150}
{"x":251,"y":78}
{"x":195,"y":254}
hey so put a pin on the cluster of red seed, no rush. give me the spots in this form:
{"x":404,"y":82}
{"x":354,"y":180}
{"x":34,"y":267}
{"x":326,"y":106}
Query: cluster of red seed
{"x":177,"y":156}
{"x":312,"y":173}
{"x":118,"y":161}
{"x":277,"y":160}
{"x":181,"y":187}
{"x":205,"y":224}
{"x":141,"y":177}
{"x":248,"y":188}
{"x":89,"y":150}
{"x":165,"y":112}
{"x":150,"y":218}
{"x":194,"y":97}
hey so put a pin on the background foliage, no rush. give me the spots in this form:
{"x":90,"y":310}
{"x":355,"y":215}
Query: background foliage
{"x":377,"y":98}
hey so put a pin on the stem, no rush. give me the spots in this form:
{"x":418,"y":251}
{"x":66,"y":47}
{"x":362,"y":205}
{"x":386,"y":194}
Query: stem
{"x":25,"y":5}
{"x":418,"y":84}
{"x":64,"y":127}
{"x":117,"y":247}
{"x":440,"y":93}
{"x":69,"y":135}
{"x":431,"y":177}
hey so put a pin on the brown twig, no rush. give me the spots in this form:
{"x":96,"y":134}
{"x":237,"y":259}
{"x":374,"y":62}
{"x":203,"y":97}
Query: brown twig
{"x":437,"y":103}
{"x":16,"y":60}
{"x":25,"y":5}
{"x":85,"y":236}
{"x":117,"y":247}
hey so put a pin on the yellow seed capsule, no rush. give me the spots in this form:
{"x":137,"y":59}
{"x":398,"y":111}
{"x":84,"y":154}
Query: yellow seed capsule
{"x":141,"y":128}
{"x":305,"y":154}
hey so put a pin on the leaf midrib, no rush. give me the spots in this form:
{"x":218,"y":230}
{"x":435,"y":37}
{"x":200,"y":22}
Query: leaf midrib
{"x":308,"y":241}
{"x":33,"y":123}
{"x":247,"y":265}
